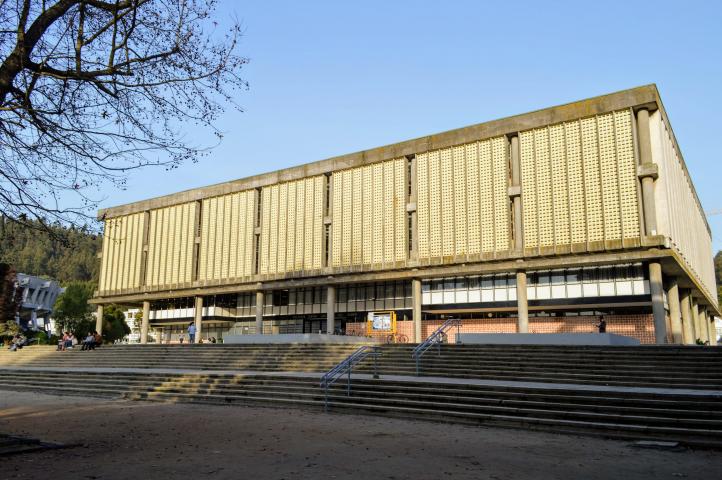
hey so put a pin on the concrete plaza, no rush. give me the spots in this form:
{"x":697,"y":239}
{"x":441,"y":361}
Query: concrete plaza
{"x":121,"y":439}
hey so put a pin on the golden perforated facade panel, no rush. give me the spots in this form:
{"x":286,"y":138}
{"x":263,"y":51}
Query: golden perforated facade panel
{"x":579,"y":185}
{"x":463,"y":202}
{"x":170,"y":246}
{"x":292,"y":226}
{"x":369,"y":215}
{"x":226,"y":236}
{"x":121,"y":267}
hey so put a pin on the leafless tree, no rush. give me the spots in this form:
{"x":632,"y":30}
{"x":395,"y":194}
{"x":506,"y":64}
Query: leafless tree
{"x":92,"y":89}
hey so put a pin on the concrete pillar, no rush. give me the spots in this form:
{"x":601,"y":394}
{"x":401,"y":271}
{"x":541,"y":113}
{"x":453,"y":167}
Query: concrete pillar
{"x":712,"y":331}
{"x":515,"y":194}
{"x":647,"y":172}
{"x":144,"y":323}
{"x":259,"y":312}
{"x":99,"y":319}
{"x":330,"y":309}
{"x":695,"y":321}
{"x":416,"y":308}
{"x":674,"y":311}
{"x":198,"y":317}
{"x":685,"y":306}
{"x":703,"y":324}
{"x":522,"y":305}
{"x":660,"y":318}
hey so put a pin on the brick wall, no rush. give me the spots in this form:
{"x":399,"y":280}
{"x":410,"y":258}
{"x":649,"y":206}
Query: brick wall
{"x":639,"y":326}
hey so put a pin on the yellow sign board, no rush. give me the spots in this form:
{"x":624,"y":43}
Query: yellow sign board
{"x":381,"y":322}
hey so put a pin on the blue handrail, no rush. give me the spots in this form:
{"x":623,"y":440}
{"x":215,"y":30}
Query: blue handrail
{"x":436,"y":338}
{"x":345,"y":367}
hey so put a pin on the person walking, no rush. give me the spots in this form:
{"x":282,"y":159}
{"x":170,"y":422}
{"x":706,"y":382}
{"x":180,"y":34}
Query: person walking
{"x":191,"y":333}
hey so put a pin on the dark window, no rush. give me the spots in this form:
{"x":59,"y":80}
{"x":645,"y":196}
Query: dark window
{"x":327,"y":236}
{"x":280,"y":298}
{"x":460,"y":283}
{"x":589,"y":275}
{"x":473,"y":283}
{"x":448,"y":284}
{"x":558,"y":277}
{"x":573,"y":276}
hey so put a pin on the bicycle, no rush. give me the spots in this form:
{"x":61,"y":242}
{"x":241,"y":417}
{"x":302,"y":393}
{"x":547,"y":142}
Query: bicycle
{"x":397,"y":338}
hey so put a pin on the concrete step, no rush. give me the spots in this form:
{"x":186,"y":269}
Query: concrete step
{"x":599,"y":413}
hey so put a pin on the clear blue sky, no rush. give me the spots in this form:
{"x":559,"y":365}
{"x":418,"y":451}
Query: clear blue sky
{"x":328,"y":78}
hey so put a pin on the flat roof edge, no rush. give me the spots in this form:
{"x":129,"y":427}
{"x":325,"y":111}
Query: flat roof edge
{"x":646,"y":94}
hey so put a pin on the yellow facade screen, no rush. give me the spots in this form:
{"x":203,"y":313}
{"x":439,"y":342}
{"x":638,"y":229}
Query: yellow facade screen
{"x":369,"y":215}
{"x":579,"y":182}
{"x":462,"y":199}
{"x":292,"y":226}
{"x":226,"y":240}
{"x":170,"y":245}
{"x":122,"y":253}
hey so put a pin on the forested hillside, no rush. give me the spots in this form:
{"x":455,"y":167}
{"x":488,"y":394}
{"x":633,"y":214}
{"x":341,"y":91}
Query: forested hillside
{"x":64,"y":254}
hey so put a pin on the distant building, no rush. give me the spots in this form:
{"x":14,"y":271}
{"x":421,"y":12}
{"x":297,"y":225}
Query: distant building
{"x":536,"y":223}
{"x":37,"y":301}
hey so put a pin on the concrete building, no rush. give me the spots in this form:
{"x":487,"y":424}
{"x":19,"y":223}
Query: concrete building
{"x":538,"y":222}
{"x":38,"y":297}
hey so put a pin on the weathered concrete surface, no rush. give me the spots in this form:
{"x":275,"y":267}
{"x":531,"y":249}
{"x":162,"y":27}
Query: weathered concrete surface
{"x":296,"y":338}
{"x":123,"y":440}
{"x":545,"y":339}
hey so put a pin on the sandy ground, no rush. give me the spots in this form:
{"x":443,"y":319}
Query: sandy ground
{"x":138,"y":440}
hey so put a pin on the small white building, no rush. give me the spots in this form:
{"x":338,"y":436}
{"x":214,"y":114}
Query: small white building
{"x":36,"y":301}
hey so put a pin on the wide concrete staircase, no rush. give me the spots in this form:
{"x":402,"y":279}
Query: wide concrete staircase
{"x":648,"y":366}
{"x":527,"y":394}
{"x":262,"y":358}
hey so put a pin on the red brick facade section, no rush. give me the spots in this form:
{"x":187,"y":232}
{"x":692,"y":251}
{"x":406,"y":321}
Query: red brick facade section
{"x":639,"y":326}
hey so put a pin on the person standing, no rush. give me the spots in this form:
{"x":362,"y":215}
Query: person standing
{"x":602,"y":325}
{"x":191,"y":333}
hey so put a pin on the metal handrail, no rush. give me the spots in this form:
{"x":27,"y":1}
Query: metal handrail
{"x":435,"y":338}
{"x":346,"y":366}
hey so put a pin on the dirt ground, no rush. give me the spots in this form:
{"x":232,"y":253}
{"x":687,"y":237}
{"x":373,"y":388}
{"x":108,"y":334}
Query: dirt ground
{"x":136,"y":440}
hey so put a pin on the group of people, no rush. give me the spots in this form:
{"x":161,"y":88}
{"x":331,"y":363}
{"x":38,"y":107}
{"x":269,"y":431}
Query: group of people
{"x":92,"y":340}
{"x":69,"y":341}
{"x":192,"y":335}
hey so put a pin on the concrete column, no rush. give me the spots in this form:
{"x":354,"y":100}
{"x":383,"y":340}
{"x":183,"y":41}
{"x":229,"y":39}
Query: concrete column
{"x":330,"y":309}
{"x":695,"y":320}
{"x":674,"y":311}
{"x":416,"y":308}
{"x":703,"y":324}
{"x":712,"y":331}
{"x":259,"y":312}
{"x":515,"y":194}
{"x":144,"y":323}
{"x":99,"y":319}
{"x":647,"y":172}
{"x":198,"y":316}
{"x":687,"y":328}
{"x":522,"y":305}
{"x":660,"y":319}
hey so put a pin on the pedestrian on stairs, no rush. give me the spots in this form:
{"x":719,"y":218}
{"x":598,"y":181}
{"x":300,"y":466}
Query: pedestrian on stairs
{"x":191,"y":333}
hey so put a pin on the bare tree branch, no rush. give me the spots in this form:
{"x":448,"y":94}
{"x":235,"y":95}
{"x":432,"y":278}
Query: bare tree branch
{"x":91,"y":90}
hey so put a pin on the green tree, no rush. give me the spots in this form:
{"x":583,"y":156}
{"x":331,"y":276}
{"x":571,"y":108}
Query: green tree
{"x":72,"y":310}
{"x":9,"y":301}
{"x":114,"y":325}
{"x":62,"y":253}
